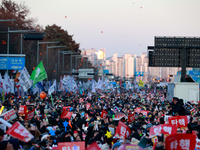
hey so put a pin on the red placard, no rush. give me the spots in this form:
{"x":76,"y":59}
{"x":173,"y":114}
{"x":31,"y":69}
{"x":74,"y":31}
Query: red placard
{"x":131,"y":117}
{"x":144,"y":112}
{"x":22,"y":109}
{"x":138,"y":110}
{"x":20,"y":132}
{"x":30,"y":115}
{"x":180,"y":142}
{"x":179,"y":121}
{"x":197,"y":144}
{"x":71,"y":146}
{"x":88,"y":105}
{"x":166,"y":129}
{"x":81,"y":100}
{"x":123,"y":130}
{"x":104,"y":114}
{"x":9,"y":115}
{"x":93,"y":146}
{"x":66,"y":114}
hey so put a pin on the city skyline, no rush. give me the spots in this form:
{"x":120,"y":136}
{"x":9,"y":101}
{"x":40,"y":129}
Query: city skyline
{"x":119,"y":26}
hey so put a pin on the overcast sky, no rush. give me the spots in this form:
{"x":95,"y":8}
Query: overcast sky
{"x":128,"y":26}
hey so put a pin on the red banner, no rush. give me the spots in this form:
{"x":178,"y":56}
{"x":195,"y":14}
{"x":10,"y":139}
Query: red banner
{"x":30,"y":115}
{"x":20,"y":132}
{"x":9,"y":115}
{"x":166,"y":129}
{"x":71,"y":146}
{"x":66,"y":114}
{"x":93,"y":146}
{"x":123,"y":130}
{"x":88,"y":105}
{"x":179,"y":121}
{"x":81,"y":100}
{"x":144,"y":112}
{"x":131,"y":117}
{"x":180,"y":142}
{"x":104,"y":114}
{"x":137,"y":109}
{"x":22,"y":109}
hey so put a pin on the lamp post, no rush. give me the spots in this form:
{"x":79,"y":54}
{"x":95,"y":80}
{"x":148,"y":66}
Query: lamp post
{"x":38,"y":43}
{"x":58,"y":53}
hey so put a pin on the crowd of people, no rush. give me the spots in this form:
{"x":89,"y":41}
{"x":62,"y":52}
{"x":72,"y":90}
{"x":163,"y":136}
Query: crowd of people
{"x":87,"y":124}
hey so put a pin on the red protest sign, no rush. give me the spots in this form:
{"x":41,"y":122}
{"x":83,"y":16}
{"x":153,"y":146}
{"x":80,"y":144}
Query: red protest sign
{"x":66,"y":114}
{"x":22,"y":109}
{"x":137,"y":109}
{"x":166,"y":129}
{"x":104,"y":114}
{"x":88,"y":105}
{"x":180,"y":142}
{"x":30,"y":115}
{"x":20,"y":132}
{"x":81,"y":100}
{"x":93,"y":146}
{"x":131,"y":117}
{"x":9,"y":115}
{"x":123,"y":130}
{"x":179,"y":121}
{"x":71,"y":145}
{"x":144,"y":112}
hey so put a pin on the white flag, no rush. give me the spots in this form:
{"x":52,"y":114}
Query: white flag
{"x":24,"y":80}
{"x":52,"y":88}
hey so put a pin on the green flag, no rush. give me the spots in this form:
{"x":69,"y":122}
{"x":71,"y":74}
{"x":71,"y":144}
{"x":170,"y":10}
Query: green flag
{"x":38,"y":73}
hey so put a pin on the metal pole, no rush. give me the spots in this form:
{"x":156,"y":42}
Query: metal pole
{"x":58,"y":60}
{"x":63,"y":63}
{"x":37,"y":52}
{"x":56,"y":70}
{"x":183,"y":64}
{"x":47,"y":58}
{"x":21,"y":43}
{"x":8,"y":42}
{"x":76,"y":64}
{"x":71,"y":62}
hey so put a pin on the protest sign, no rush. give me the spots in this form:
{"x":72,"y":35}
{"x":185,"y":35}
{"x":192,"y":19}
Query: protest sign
{"x":9,"y":115}
{"x":123,"y":130}
{"x":71,"y":146}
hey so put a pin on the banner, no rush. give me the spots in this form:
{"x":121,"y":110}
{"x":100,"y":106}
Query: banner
{"x":24,"y":80}
{"x":30,"y":115}
{"x":179,"y":121}
{"x":88,"y":105}
{"x":131,"y":117}
{"x":66,"y":114}
{"x":38,"y":73}
{"x":104,"y":114}
{"x":9,"y":115}
{"x":20,"y":132}
{"x":144,"y":112}
{"x":71,"y":146}
{"x":93,"y":146}
{"x":137,"y":109}
{"x":52,"y":88}
{"x":22,"y":109}
{"x":180,"y":142}
{"x":123,"y":130}
{"x":166,"y":129}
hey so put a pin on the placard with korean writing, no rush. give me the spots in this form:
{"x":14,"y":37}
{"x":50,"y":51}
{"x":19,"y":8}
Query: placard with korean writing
{"x":180,"y":142}
{"x":179,"y":121}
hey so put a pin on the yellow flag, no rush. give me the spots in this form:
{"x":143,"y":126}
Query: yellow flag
{"x":141,"y":83}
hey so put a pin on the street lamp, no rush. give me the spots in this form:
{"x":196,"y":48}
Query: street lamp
{"x":47,"y":48}
{"x":53,"y":47}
